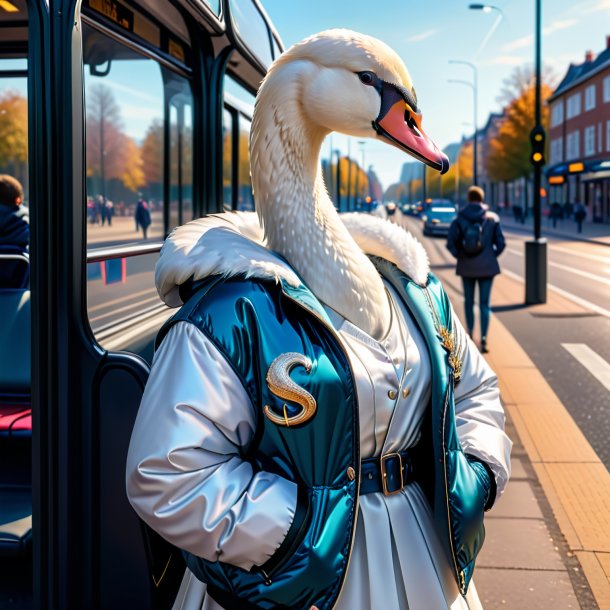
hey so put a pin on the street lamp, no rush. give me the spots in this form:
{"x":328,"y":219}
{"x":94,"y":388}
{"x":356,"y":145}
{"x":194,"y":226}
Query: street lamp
{"x":535,"y":250}
{"x":362,"y":144}
{"x":487,"y":8}
{"x":338,"y":152}
{"x":474,"y":87}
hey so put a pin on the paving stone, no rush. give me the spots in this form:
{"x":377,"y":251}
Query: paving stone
{"x":584,"y":491}
{"x":519,"y":543}
{"x":525,"y":590}
{"x":517,"y":470}
{"x":517,"y":501}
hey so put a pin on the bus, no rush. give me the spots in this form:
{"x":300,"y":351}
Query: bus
{"x":122,"y":119}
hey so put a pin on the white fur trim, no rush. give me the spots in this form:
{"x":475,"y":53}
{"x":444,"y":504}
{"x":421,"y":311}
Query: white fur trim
{"x":232,"y":244}
{"x":385,"y":239}
{"x":228,"y":244}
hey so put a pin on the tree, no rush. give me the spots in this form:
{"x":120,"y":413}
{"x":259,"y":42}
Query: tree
{"x":152,"y":153}
{"x":133,"y":175}
{"x":509,"y":151}
{"x":107,"y":154}
{"x":13,"y":133}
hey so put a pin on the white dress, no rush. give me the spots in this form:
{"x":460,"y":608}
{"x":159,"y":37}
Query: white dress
{"x":397,"y":561}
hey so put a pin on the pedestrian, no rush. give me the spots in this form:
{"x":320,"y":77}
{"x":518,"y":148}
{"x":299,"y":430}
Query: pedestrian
{"x":476,"y":240}
{"x":556,"y":214}
{"x":142,"y":216}
{"x":109,"y":211}
{"x":568,"y":210}
{"x":14,"y":232}
{"x":580,"y":213}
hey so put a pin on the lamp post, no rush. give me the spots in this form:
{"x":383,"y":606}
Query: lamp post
{"x":487,"y":8}
{"x":362,"y":144}
{"x":536,"y":249}
{"x":338,"y":152}
{"x":473,"y":86}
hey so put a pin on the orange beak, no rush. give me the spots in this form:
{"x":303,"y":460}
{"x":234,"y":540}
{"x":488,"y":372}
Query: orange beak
{"x":400,"y":124}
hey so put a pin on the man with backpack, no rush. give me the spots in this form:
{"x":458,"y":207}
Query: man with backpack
{"x":476,"y":240}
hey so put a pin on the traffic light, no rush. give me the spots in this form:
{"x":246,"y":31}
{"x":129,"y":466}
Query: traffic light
{"x":538,"y":140}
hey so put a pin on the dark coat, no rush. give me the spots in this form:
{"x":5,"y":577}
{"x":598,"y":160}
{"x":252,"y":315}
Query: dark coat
{"x":15,"y":227}
{"x":484,"y":264}
{"x":142,"y":214}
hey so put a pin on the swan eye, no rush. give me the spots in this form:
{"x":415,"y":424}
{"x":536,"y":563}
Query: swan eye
{"x":366,"y":78}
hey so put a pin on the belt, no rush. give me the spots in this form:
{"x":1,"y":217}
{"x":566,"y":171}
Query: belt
{"x":387,"y":474}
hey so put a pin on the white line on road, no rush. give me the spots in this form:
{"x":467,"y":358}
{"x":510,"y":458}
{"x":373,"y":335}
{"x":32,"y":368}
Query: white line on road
{"x":564,"y":293}
{"x":591,"y":276}
{"x":593,"y":257}
{"x":591,"y":360}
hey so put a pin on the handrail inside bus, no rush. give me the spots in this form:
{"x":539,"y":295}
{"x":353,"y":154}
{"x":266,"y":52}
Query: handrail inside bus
{"x":98,"y":255}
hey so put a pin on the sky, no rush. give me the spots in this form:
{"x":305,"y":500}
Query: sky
{"x":428,"y":34}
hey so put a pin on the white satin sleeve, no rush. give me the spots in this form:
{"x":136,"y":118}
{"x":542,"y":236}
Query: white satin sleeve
{"x":185,"y":476}
{"x":478,"y":411}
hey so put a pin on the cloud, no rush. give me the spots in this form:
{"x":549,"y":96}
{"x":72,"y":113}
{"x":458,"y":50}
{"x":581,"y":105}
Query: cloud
{"x":555,"y":26}
{"x":423,"y":35}
{"x":505,"y":60}
{"x":596,"y":7}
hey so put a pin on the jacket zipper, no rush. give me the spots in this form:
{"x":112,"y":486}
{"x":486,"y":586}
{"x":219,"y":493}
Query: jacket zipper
{"x":459,"y":575}
{"x":334,"y":334}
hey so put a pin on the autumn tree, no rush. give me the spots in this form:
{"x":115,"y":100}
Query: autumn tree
{"x":152,"y":153}
{"x":509,"y":151}
{"x":13,"y":133}
{"x":106,"y":147}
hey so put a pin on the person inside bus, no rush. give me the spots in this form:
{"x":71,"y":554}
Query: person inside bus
{"x":317,"y":430}
{"x":14,"y":233}
{"x":14,"y":216}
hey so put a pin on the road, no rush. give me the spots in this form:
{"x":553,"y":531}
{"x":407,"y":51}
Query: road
{"x":571,"y":349}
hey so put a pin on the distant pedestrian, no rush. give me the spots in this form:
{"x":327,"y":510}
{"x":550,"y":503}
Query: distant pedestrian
{"x":109,"y":211}
{"x":580,"y":213}
{"x":14,"y":233}
{"x":142,"y":216}
{"x":556,"y":213}
{"x":518,"y":213}
{"x":476,"y":240}
{"x":568,"y":210}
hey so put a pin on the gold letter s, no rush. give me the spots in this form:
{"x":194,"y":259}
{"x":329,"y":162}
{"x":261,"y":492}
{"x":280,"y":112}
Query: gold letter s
{"x":280,"y":383}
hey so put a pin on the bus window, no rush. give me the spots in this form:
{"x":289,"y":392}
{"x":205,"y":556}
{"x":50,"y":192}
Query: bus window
{"x":14,"y":121}
{"x":245,"y":199}
{"x":180,"y":151}
{"x":227,"y":159}
{"x":214,"y":5}
{"x":252,"y":29}
{"x":124,"y":142}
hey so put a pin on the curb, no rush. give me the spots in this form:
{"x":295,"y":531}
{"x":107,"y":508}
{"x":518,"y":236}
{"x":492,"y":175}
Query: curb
{"x":529,"y":230}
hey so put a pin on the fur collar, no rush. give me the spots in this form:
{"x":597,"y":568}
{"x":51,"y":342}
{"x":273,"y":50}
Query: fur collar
{"x":232,"y":244}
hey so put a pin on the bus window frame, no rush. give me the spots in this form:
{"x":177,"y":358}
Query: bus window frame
{"x":67,"y":362}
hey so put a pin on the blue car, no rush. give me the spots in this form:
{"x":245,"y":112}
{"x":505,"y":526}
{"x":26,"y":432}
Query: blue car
{"x":438,"y":216}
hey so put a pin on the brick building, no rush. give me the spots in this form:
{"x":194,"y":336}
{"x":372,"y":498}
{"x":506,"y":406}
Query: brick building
{"x":579,"y":136}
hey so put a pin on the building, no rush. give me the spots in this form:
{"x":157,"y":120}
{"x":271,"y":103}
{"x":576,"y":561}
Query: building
{"x":484,"y":136}
{"x":579,"y":136}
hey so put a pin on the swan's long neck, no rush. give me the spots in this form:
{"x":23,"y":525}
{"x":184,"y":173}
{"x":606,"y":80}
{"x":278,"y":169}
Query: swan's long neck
{"x":297,"y":214}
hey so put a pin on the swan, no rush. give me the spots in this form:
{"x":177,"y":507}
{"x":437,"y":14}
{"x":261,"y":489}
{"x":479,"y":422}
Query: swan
{"x":342,"y":81}
{"x":186,"y":474}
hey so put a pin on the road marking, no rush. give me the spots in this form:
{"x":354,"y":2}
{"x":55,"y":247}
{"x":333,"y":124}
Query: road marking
{"x":591,"y":360}
{"x":135,"y":305}
{"x":593,"y":257}
{"x":580,"y":272}
{"x":132,"y":295}
{"x":124,"y":339}
{"x":564,"y":293}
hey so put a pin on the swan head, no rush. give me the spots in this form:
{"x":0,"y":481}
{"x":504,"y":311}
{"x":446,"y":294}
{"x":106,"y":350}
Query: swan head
{"x":357,"y":85}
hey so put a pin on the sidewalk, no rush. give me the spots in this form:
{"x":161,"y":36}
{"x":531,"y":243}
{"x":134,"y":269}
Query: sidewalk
{"x":566,"y":229}
{"x":548,"y":537}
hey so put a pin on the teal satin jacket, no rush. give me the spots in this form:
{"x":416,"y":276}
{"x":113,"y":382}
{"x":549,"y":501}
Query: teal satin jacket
{"x":252,"y":322}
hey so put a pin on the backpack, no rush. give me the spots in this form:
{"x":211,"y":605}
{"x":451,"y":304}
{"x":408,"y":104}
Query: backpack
{"x":472,"y":236}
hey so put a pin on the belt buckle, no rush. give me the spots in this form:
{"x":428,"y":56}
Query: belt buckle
{"x":384,"y":474}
